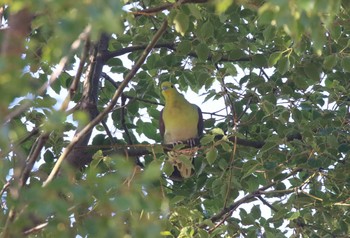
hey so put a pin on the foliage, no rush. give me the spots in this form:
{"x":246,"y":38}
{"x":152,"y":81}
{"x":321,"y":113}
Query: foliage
{"x":273,"y":163}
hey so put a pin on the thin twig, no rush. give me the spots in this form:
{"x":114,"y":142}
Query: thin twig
{"x":109,"y":134}
{"x":75,"y":83}
{"x":110,"y":106}
{"x":32,"y":159}
{"x":35,"y":229}
{"x":116,"y":85}
{"x":34,"y":132}
{"x":111,"y":54}
{"x":4,"y":188}
{"x":122,"y":120}
{"x":267,"y":204}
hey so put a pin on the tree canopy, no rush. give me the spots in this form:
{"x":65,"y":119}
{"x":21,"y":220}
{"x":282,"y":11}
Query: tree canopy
{"x":80,"y":149}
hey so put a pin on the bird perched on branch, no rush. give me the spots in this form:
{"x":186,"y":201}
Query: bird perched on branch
{"x":180,"y":122}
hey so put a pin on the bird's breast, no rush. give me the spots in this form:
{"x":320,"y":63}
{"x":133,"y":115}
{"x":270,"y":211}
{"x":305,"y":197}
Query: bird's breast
{"x":180,"y":123}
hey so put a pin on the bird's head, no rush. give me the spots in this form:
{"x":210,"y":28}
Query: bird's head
{"x":168,"y":90}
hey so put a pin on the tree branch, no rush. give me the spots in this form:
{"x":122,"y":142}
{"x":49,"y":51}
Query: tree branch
{"x":111,"y":54}
{"x":33,"y":157}
{"x":110,"y":106}
{"x":84,"y":152}
{"x":88,"y":103}
{"x":171,"y":46}
{"x":75,"y":83}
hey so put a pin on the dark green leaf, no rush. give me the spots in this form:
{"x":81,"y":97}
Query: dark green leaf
{"x":274,"y":58}
{"x":202,"y":51}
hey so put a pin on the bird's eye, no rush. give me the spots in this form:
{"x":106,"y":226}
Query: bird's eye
{"x":172,"y":86}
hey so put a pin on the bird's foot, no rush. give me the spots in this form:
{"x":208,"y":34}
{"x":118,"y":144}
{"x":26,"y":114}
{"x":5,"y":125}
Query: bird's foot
{"x":178,"y":144}
{"x":192,"y":142}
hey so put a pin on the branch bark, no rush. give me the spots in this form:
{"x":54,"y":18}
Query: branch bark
{"x":82,"y":153}
{"x":88,"y":102}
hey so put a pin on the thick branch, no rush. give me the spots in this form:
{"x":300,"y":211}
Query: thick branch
{"x":82,"y":153}
{"x":88,"y":102}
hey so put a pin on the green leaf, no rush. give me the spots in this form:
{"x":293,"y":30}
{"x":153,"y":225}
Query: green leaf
{"x":202,"y":51}
{"x":184,"y":47}
{"x":313,"y":71}
{"x":255,"y":212}
{"x":217,"y":131}
{"x":99,"y":139}
{"x":247,"y":219}
{"x":249,"y":167}
{"x":168,"y":168}
{"x":149,"y":130}
{"x":152,"y":172}
{"x":293,"y":215}
{"x":259,"y":60}
{"x":206,"y":30}
{"x":222,"y":6}
{"x":268,"y":107}
{"x":226,"y":146}
{"x":283,"y":65}
{"x":274,"y":58}
{"x":300,"y":81}
{"x":211,"y":155}
{"x":330,"y":61}
{"x":165,"y":233}
{"x":177,"y":199}
{"x":344,"y":148}
{"x":206,"y":139}
{"x":269,"y":33}
{"x":48,"y":156}
{"x":181,"y":22}
{"x":345,"y":63}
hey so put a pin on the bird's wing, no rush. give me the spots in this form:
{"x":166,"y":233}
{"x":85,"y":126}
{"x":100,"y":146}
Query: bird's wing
{"x":200,"y":126}
{"x":161,"y":124}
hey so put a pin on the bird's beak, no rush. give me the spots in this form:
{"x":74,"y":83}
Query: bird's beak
{"x":164,"y":88}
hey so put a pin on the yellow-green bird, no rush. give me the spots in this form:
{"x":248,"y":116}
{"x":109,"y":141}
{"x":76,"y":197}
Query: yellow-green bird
{"x":179,"y":121}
